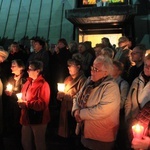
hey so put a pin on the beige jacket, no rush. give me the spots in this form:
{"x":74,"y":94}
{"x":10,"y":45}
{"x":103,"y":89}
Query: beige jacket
{"x":101,"y":114}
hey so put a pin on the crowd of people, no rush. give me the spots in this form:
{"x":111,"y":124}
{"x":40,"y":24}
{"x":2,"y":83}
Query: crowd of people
{"x":106,"y":90}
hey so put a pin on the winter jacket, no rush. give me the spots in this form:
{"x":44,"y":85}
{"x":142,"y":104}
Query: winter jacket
{"x":37,"y":95}
{"x":72,"y":87}
{"x":124,"y":89}
{"x":137,"y":97}
{"x":100,"y":114}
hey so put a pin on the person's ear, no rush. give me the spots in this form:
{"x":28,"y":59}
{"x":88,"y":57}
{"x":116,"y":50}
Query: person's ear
{"x":79,"y":67}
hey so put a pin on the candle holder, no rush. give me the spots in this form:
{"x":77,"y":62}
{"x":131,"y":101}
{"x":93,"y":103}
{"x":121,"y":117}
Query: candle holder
{"x":9,"y":87}
{"x":19,"y":96}
{"x":61,"y":87}
{"x":138,"y":131}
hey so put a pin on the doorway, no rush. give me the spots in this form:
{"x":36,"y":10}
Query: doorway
{"x":96,"y":38}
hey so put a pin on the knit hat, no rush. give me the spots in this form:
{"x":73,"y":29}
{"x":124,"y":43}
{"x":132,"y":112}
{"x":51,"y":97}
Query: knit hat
{"x":3,"y":53}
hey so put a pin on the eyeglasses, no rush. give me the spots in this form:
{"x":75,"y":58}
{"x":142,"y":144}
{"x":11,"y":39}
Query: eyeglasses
{"x":30,"y":69}
{"x":13,"y":66}
{"x":95,"y":69}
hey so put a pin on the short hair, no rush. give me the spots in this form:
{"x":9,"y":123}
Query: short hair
{"x":19,"y":62}
{"x":88,"y":44}
{"x":37,"y":65}
{"x":108,"y":51}
{"x":16,"y":44}
{"x":119,"y":65}
{"x":73,"y":45}
{"x":141,"y":47}
{"x":83,"y":44}
{"x":40,"y":41}
{"x":98,"y":49}
{"x":62,"y":40}
{"x":106,"y":61}
{"x":123,"y":39}
{"x":106,"y":39}
{"x":100,"y":45}
{"x":77,"y":59}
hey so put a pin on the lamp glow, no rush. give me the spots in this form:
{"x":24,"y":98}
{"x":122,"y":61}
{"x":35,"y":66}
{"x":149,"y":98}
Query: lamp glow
{"x":9,"y":87}
{"x":61,"y":87}
{"x":138,"y":131}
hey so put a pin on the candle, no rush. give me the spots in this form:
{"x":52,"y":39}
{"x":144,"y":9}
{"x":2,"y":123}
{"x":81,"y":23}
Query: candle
{"x":9,"y":87}
{"x":61,"y":87}
{"x":19,"y":96}
{"x":138,"y":131}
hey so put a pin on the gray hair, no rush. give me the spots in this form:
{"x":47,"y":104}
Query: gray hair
{"x":3,"y":53}
{"x":108,"y":51}
{"x":106,"y":61}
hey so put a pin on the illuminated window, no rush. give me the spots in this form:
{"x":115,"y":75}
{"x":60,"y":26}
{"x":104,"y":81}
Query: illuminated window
{"x":89,"y":2}
{"x":93,"y":2}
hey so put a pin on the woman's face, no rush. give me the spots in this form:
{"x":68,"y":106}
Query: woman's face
{"x":97,"y":71}
{"x":14,"y":48}
{"x":15,"y":69}
{"x":73,"y":69}
{"x":32,"y":72}
{"x":147,"y":68}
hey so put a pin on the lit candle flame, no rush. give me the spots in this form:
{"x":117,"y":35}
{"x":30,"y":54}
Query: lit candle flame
{"x":138,"y":131}
{"x":19,"y":96}
{"x":61,"y":87}
{"x":9,"y":87}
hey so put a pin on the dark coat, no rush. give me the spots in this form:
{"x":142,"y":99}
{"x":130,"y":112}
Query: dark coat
{"x":43,"y":56}
{"x":60,"y":67}
{"x":66,"y":122}
{"x":37,"y":95}
{"x":11,"y":109}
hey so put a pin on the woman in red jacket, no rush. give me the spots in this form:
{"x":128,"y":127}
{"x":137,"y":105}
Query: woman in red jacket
{"x":34,"y":108}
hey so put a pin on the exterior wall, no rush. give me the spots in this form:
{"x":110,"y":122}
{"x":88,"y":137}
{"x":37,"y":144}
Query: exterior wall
{"x":142,"y":22}
{"x":142,"y":30}
{"x":44,"y":18}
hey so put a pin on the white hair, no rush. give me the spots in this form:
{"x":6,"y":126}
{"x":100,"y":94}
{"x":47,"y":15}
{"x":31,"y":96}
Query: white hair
{"x":106,"y":61}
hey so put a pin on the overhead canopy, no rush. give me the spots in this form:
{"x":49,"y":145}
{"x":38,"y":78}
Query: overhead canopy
{"x":109,"y":19}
